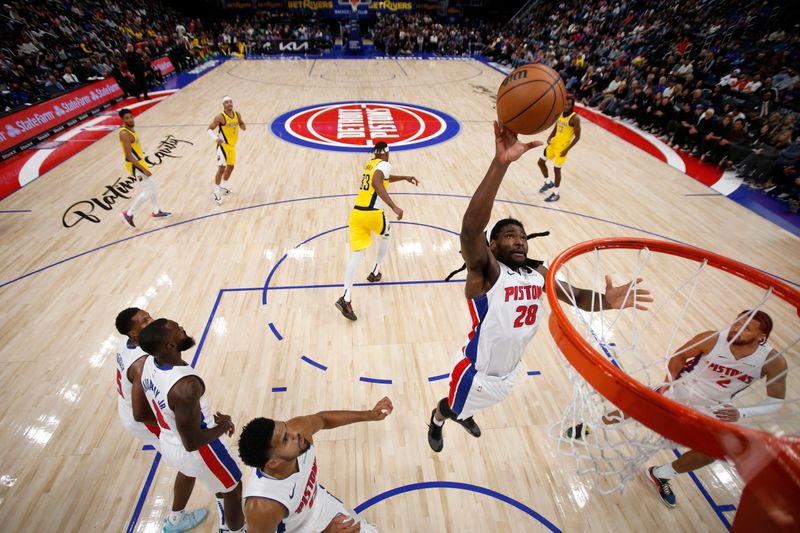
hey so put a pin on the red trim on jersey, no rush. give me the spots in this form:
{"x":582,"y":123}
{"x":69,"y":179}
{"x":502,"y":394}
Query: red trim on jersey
{"x":159,"y":416}
{"x":216,"y":467}
{"x":455,"y":377}
{"x":155,"y":430}
{"x":474,"y":314}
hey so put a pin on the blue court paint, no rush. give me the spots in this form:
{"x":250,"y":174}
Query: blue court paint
{"x":314,"y":363}
{"x":143,"y":494}
{"x":278,"y":389}
{"x":275,"y":267}
{"x":717,"y":508}
{"x":534,"y":373}
{"x":16,"y":210}
{"x":706,"y":194}
{"x":147,"y":447}
{"x":208,"y":326}
{"x":324,"y":197}
{"x":375,"y":380}
{"x":459,"y":486}
{"x":275,"y":331}
{"x":439,"y":377}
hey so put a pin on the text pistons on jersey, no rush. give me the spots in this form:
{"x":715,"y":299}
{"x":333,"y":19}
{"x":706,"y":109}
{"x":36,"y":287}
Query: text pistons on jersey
{"x":731,"y":372}
{"x":311,"y":489}
{"x":523,"y":292}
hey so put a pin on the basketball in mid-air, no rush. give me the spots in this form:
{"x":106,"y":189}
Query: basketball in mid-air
{"x":530,"y":99}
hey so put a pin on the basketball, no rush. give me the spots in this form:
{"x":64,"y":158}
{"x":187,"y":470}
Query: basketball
{"x":530,"y":99}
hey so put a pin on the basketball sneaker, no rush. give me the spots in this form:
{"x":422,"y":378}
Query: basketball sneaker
{"x":128,"y":219}
{"x":470,"y":425}
{"x":161,"y":214}
{"x":217,"y":198}
{"x":374,"y":278}
{"x":346,"y":308}
{"x":664,"y":490}
{"x":188,"y":521}
{"x":547,"y":186}
{"x":224,"y":190}
{"x":435,"y":439}
{"x":552,"y":198}
{"x":577,"y":432}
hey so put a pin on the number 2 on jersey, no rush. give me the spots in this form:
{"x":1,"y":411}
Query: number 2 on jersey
{"x":527,"y":314}
{"x":365,"y":182}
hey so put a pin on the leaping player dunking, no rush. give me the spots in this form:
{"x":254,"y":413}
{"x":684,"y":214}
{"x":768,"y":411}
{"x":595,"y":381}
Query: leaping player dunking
{"x":503,"y":292}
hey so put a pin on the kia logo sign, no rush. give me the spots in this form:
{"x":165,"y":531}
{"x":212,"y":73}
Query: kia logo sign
{"x":356,"y":126}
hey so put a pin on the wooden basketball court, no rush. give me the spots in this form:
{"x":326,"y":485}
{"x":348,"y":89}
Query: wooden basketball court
{"x":67,"y":465}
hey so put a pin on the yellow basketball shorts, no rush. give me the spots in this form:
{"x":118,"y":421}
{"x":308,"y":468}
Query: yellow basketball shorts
{"x":226,"y":155}
{"x":363,"y":224}
{"x":553,"y":153}
{"x":135,"y":172}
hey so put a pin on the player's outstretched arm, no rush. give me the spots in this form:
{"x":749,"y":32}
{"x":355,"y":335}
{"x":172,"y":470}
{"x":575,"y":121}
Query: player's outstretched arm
{"x":185,"y":399}
{"x":308,"y":425}
{"x":481,"y":264}
{"x":775,"y":370}
{"x":410,"y":179}
{"x":620,"y":297}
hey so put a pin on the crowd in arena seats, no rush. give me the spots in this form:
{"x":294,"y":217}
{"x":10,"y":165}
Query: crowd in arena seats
{"x":716,"y":78}
{"x":50,"y":47}
{"x":258,"y":34}
{"x":408,"y":34}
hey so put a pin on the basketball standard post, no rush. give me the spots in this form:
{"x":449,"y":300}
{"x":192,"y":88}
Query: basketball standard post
{"x":768,"y":464}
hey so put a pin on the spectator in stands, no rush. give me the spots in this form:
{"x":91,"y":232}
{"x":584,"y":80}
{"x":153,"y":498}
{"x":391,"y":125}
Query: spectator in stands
{"x":69,"y":78}
{"x":52,"y":86}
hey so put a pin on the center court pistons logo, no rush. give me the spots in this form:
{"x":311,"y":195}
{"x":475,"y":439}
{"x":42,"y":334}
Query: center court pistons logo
{"x":354,"y":126}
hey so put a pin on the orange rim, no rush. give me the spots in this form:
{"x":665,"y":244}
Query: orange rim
{"x":673,"y":420}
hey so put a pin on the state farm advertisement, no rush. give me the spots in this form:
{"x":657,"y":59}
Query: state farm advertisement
{"x":163,"y":65}
{"x":23,"y":125}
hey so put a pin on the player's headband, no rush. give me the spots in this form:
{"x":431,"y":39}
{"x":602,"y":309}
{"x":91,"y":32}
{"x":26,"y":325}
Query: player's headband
{"x":226,"y":99}
{"x":381,"y":148}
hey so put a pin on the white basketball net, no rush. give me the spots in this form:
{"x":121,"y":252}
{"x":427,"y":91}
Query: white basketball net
{"x":701,"y":298}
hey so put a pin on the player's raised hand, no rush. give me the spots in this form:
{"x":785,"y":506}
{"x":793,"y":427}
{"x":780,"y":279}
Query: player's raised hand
{"x":382,"y":409}
{"x":343,"y":524}
{"x":220,"y":419}
{"x":507,"y":147}
{"x":627,"y":295}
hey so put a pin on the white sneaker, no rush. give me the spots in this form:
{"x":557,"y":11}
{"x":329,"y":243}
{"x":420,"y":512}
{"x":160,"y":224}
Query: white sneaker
{"x":217,"y":198}
{"x":225,"y":190}
{"x":187,"y":522}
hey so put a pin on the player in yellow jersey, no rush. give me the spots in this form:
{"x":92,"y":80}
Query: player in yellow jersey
{"x":566,"y":134}
{"x":224,"y":129}
{"x":134,"y":162}
{"x":367,"y":217}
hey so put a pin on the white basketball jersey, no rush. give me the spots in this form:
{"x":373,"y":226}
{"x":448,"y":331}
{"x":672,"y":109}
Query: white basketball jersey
{"x":157,"y":381}
{"x":504,"y":320}
{"x":126,"y":356}
{"x":298,"y":493}
{"x":716,"y":377}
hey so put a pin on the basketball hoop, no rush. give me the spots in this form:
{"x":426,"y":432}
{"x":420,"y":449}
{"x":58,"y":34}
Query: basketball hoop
{"x":769,"y":463}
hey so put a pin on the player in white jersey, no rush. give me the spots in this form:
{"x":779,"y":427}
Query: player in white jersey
{"x":709,"y":370}
{"x":283,"y":492}
{"x":503,"y":291}
{"x":130,"y":360}
{"x":192,"y":439}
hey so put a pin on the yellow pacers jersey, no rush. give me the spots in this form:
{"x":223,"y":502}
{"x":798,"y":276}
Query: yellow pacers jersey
{"x":230,"y":129}
{"x":135,"y":148}
{"x":367,"y":198}
{"x":564,"y":132}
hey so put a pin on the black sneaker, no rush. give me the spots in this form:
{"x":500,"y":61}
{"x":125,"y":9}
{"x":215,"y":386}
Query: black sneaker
{"x":374,"y":278}
{"x":471,"y":427}
{"x":664,"y":490}
{"x":346,"y":308}
{"x":547,"y":186}
{"x":435,"y":439}
{"x":577,"y":432}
